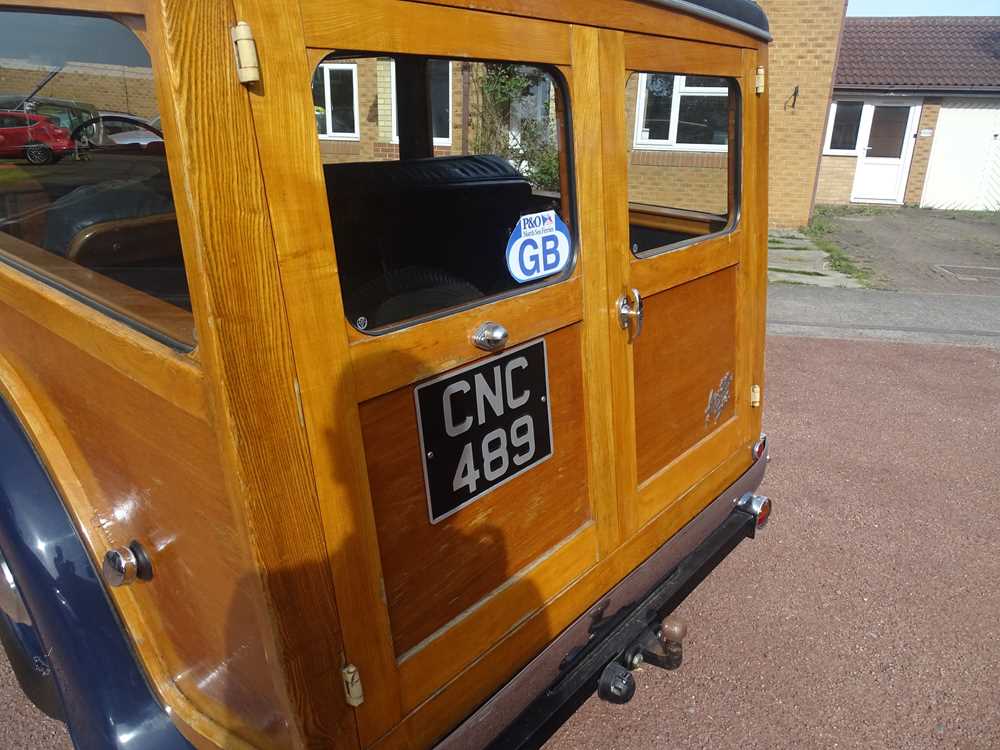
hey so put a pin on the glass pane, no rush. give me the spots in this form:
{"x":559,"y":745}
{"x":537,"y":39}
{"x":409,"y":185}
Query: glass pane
{"x":706,"y":82}
{"x":434,"y":230}
{"x":342,"y":100}
{"x":845,"y":126}
{"x":888,"y":130}
{"x":703,"y":119}
{"x":319,"y":100}
{"x":683,"y":188}
{"x":659,"y":100}
{"x":85,"y":197}
{"x":440,"y":79}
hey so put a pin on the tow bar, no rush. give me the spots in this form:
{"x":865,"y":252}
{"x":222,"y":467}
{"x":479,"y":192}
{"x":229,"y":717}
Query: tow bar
{"x":643,"y":633}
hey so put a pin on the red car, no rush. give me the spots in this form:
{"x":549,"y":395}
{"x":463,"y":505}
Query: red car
{"x":34,"y":137}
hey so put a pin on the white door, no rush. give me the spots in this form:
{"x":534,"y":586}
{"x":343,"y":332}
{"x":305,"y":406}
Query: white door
{"x":885,"y":146}
{"x":964,"y":168}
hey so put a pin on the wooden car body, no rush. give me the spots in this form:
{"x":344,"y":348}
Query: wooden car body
{"x":266,"y":453}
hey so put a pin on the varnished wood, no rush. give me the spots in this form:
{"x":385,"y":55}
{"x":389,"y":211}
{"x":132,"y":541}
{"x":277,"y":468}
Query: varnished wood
{"x":598,"y":383}
{"x":623,"y":16}
{"x":399,"y":26}
{"x":433,"y":573}
{"x":687,"y":349}
{"x":672,"y":220}
{"x":281,"y":457}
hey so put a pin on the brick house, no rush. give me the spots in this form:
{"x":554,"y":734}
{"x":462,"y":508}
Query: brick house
{"x":915,"y":117}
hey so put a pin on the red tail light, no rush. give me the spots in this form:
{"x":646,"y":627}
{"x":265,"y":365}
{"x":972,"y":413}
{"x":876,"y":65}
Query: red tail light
{"x":757,"y":505}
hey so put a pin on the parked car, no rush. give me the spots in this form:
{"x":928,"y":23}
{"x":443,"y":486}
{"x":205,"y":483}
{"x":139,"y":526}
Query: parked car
{"x":66,"y":113}
{"x":123,"y":129}
{"x":35,"y":137}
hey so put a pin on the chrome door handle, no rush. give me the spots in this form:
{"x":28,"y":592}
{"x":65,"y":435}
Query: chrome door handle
{"x":630,"y":310}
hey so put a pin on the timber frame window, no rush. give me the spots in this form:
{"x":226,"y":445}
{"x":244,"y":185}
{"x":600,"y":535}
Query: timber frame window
{"x":681,"y":113}
{"x":335,"y":99}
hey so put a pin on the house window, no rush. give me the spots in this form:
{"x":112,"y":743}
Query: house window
{"x":688,"y":113}
{"x":439,"y":76}
{"x":335,"y":101}
{"x":843,"y":128}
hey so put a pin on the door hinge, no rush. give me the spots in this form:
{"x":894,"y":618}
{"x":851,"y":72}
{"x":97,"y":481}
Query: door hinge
{"x":754,"y":396}
{"x":759,"y":86}
{"x":247,"y":64}
{"x":354,"y":694}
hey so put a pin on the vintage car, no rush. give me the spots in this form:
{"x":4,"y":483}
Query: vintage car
{"x":398,"y":396}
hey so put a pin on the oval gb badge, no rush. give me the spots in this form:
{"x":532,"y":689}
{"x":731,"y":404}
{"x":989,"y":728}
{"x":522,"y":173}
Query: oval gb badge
{"x":539,"y":246}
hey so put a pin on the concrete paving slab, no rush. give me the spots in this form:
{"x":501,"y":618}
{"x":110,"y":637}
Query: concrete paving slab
{"x":792,"y":258}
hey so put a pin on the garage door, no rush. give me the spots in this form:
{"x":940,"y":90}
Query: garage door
{"x":964,"y":169}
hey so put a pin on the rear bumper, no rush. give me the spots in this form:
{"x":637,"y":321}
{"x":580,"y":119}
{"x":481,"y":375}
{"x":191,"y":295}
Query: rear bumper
{"x":544,"y":693}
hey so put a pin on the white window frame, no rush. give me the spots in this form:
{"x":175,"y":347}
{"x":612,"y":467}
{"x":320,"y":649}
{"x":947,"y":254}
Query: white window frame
{"x":641,"y":141}
{"x":330,"y":135}
{"x":832,"y":117}
{"x":451,"y":93}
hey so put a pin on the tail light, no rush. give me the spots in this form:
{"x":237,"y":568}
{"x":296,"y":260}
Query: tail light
{"x":759,"y":506}
{"x":760,"y":448}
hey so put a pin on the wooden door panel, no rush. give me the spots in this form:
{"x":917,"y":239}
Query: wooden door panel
{"x":433,"y":573}
{"x":684,"y":365}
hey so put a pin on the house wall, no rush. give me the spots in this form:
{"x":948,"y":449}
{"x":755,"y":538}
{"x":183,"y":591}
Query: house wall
{"x":922,"y":151}
{"x":108,"y":87}
{"x":804,"y":54}
{"x":836,"y":177}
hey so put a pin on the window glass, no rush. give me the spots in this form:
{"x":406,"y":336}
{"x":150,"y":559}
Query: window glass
{"x":682,"y":169}
{"x":888,"y":131}
{"x":424,"y":210}
{"x":846,"y":122}
{"x":85,"y":197}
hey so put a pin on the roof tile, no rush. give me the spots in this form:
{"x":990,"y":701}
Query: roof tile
{"x":921,"y":52}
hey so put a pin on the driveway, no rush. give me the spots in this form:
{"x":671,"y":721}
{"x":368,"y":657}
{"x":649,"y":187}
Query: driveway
{"x":868,"y":613}
{"x":919,"y":250}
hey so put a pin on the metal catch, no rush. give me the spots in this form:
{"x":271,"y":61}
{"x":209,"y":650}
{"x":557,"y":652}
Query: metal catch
{"x":630,"y":314}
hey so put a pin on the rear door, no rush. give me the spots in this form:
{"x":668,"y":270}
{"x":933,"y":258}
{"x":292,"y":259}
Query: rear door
{"x":460,"y":484}
{"x":679,"y":281}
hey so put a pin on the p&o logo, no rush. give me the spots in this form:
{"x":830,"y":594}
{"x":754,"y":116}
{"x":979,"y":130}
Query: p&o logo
{"x":539,"y":246}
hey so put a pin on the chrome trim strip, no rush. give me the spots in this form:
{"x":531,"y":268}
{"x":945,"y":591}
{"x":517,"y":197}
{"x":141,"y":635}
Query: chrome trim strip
{"x":483,"y":726}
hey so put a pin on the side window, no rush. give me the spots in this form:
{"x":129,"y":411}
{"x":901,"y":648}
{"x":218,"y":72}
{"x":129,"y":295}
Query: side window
{"x":440,"y":174}
{"x":85,"y":197}
{"x":683,"y":136}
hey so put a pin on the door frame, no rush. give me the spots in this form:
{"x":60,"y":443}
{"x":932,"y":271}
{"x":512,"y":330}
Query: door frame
{"x":661,"y":494}
{"x":906,"y":157}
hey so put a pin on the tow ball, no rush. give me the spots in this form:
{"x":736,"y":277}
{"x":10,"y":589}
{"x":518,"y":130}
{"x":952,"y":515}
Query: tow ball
{"x":661,"y":646}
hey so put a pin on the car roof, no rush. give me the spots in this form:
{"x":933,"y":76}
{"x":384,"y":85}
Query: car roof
{"x":743,"y":15}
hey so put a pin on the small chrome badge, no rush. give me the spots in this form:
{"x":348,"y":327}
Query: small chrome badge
{"x":718,"y":398}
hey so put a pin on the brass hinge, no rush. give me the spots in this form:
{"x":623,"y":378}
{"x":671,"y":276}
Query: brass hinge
{"x":760,"y":79}
{"x":247,"y":64}
{"x":354,"y":694}
{"x":754,"y":396}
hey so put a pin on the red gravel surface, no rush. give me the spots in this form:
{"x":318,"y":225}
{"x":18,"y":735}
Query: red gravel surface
{"x":868,"y":613}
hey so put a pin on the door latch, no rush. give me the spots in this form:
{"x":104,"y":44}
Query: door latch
{"x":630,"y":312}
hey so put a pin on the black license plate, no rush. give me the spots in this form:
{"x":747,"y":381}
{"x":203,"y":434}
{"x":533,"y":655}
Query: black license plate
{"x":483,"y":425}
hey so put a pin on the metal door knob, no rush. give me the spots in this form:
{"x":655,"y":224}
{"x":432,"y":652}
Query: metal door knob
{"x":490,"y":337}
{"x":630,"y":313}
{"x":124,"y":565}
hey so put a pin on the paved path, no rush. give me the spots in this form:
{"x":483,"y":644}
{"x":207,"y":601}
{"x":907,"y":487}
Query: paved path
{"x":792,"y":258}
{"x":897,"y":316}
{"x":868,"y":614}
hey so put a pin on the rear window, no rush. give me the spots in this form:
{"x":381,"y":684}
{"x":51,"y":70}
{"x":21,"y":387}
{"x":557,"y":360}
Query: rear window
{"x":85,"y":197}
{"x":447,"y":180}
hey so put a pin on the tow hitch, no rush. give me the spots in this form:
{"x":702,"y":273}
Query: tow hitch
{"x":639,"y":634}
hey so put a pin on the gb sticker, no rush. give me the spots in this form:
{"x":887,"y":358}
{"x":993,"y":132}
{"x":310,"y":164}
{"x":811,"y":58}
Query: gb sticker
{"x":539,"y":246}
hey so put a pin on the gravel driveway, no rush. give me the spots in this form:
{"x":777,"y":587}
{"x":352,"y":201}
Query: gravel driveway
{"x":920,"y":250}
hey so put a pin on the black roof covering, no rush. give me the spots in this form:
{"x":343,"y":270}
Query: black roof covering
{"x":745,"y":15}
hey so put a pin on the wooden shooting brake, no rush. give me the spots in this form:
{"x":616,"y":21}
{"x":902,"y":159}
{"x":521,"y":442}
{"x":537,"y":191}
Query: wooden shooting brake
{"x":353,"y":521}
